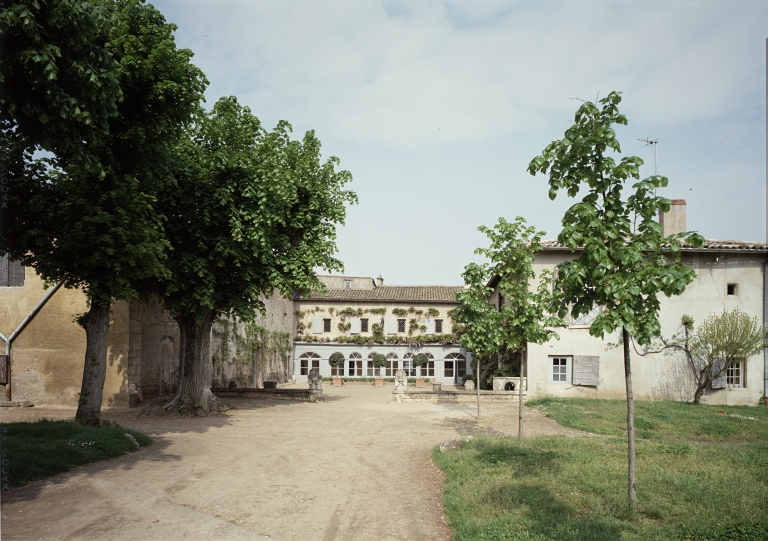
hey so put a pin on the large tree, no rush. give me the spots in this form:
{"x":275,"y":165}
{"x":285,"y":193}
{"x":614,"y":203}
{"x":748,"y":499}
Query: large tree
{"x":252,"y":211}
{"x":99,"y":229}
{"x":624,"y":261}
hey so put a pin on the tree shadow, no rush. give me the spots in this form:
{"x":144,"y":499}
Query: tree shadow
{"x":544,"y":516}
{"x":524,"y":460}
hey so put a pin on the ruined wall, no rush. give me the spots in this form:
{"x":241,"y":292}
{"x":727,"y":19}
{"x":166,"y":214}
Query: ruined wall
{"x":251,"y":353}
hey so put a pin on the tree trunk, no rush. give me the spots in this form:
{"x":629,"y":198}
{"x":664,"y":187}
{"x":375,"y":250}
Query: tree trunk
{"x":699,"y":392}
{"x":632,"y":486}
{"x":523,"y":359}
{"x":195,"y":366}
{"x":478,"y":387}
{"x":96,"y":325}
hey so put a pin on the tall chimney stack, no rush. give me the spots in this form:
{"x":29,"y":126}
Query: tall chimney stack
{"x":379,"y":281}
{"x":673,"y":221}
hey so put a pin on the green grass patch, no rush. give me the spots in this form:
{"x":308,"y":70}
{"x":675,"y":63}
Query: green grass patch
{"x":702,"y":475}
{"x":669,"y":421}
{"x":44,"y":448}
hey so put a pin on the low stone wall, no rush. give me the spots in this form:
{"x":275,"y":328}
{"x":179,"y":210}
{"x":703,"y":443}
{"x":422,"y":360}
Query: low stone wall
{"x":303,"y":395}
{"x":456,"y":397}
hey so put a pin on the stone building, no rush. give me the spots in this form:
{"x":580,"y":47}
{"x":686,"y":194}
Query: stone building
{"x":730,"y":274}
{"x":361,"y":316}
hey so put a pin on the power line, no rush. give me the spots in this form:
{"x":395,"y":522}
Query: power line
{"x":713,"y":146}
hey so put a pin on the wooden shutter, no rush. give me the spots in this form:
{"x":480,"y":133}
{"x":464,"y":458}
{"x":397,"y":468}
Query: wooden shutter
{"x":585,"y":370}
{"x":317,"y":325}
{"x":4,"y":271}
{"x":718,"y":383}
{"x":3,"y":369}
{"x":430,"y":326}
{"x":354,"y":326}
{"x":15,"y":274}
{"x":391,"y":326}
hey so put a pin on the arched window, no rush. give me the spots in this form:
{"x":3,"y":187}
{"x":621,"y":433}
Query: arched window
{"x":392,"y":364}
{"x":455,"y":365}
{"x":308,"y":361}
{"x":408,"y":367}
{"x":428,"y":370}
{"x":355,"y":364}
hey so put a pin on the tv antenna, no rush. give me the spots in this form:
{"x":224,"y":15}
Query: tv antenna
{"x":653,"y":143}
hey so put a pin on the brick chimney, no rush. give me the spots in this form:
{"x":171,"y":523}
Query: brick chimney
{"x":673,"y":221}
{"x":379,"y":281}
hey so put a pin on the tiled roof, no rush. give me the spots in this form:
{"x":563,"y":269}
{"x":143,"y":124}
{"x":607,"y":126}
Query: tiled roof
{"x":444,"y":294}
{"x":709,"y":244}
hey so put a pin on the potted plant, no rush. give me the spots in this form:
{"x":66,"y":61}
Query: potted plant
{"x":378,"y":361}
{"x":419,"y":360}
{"x":336,"y":360}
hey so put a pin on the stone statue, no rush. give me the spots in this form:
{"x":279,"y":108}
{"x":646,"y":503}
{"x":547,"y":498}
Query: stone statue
{"x":315,"y":381}
{"x":401,"y":381}
{"x":469,"y":385}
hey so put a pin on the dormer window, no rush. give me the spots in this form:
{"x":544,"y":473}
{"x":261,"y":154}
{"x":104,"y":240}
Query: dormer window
{"x":347,"y":284}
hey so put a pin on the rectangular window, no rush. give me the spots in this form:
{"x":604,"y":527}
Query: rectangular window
{"x":392,"y":367}
{"x":364,"y":325}
{"x":347,"y":284}
{"x":11,"y":273}
{"x":461,"y":369}
{"x":409,"y":369}
{"x":427,"y":371}
{"x":439,"y":326}
{"x":559,"y":369}
{"x":734,"y":376}
{"x":356,"y":368}
{"x":304,"y":367}
{"x":400,"y":325}
{"x":326,"y":325}
{"x":448,"y":370}
{"x":337,"y":371}
{"x":732,"y":289}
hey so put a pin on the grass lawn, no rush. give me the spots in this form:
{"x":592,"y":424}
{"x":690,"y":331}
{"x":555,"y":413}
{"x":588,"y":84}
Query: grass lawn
{"x":44,"y":448}
{"x":701,"y":475}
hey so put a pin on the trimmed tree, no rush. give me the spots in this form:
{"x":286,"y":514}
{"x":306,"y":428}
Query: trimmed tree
{"x":98,"y":228}
{"x":252,"y":212}
{"x":624,"y":260}
{"x":379,"y":361}
{"x":525,"y":316}
{"x":336,"y":360}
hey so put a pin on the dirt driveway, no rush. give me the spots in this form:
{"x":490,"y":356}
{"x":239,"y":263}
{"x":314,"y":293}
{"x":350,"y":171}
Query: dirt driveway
{"x":353,"y":468}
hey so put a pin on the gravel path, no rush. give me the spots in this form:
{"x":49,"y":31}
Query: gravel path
{"x":352,"y":468}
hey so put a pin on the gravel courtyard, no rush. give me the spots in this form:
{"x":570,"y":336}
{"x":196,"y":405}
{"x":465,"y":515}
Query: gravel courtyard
{"x":351,"y":468}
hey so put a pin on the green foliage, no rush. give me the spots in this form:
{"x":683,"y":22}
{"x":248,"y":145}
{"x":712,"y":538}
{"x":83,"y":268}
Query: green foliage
{"x":731,"y":337}
{"x":377,"y":311}
{"x":101,"y":230}
{"x":433,"y":312}
{"x":400,"y":312}
{"x":378,"y":360}
{"x":420,"y":359}
{"x":60,"y":83}
{"x":624,"y":260}
{"x":255,"y":344}
{"x":344,"y":327}
{"x":44,"y":448}
{"x":351,"y":312}
{"x":482,"y":333}
{"x":336,"y":359}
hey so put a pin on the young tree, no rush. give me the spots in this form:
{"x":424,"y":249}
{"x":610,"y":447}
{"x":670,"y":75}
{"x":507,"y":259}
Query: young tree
{"x":252,"y":211}
{"x":624,"y":260}
{"x":100,"y":230}
{"x":525,"y":316}
{"x":721,"y":342}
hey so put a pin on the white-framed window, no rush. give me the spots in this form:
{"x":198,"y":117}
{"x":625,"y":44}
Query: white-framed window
{"x":559,"y":369}
{"x":455,"y":363}
{"x":392,"y":364}
{"x":355,"y":365}
{"x":734,"y":376}
{"x":408,"y":367}
{"x":428,"y":370}
{"x":308,"y":361}
{"x":448,"y":369}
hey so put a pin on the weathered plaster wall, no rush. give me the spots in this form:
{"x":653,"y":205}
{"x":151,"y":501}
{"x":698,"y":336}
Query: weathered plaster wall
{"x":48,"y":355}
{"x":231,"y":362}
{"x":157,"y":347}
{"x":660,"y":376}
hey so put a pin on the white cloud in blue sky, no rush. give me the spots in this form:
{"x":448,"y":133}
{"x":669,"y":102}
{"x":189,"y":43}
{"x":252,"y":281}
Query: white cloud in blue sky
{"x":437,"y":107}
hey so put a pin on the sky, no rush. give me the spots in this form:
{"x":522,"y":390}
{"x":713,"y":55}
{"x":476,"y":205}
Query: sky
{"x":436,"y":108}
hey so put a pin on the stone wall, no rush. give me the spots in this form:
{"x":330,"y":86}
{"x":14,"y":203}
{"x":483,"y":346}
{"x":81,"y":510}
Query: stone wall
{"x":156,"y":347}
